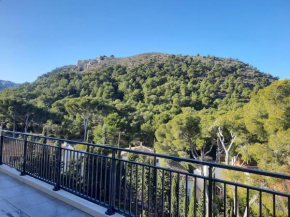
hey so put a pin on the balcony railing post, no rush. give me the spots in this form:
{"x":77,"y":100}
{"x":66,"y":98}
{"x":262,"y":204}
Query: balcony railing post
{"x":112,"y":192}
{"x":23,"y":173}
{"x":210,"y":191}
{"x":58,"y":168}
{"x":1,"y":146}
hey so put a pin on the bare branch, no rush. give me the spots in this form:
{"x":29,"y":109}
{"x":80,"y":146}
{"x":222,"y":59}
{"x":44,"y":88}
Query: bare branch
{"x":232,"y":142}
{"x":209,"y":150}
{"x":221,"y":138}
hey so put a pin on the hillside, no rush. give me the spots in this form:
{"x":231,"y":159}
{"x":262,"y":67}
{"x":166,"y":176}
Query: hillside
{"x":104,"y":61}
{"x":6,"y":84}
{"x":146,"y":90}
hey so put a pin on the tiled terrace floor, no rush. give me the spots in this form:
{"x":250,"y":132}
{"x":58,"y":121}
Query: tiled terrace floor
{"x":20,"y":200}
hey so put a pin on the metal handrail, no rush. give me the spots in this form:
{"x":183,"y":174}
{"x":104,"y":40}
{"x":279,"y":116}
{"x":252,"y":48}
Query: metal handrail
{"x":51,"y":165}
{"x":222,"y":166}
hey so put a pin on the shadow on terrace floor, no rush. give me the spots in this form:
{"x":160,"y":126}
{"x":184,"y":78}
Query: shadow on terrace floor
{"x":20,"y":200}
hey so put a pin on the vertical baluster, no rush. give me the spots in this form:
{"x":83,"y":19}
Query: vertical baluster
{"x":24,"y":157}
{"x":274,"y":205}
{"x":35,"y":158}
{"x":63,"y":163}
{"x":101,"y":177}
{"x":74,"y":171}
{"x":41,"y":161}
{"x":170,"y":192}
{"x":260,"y":202}
{"x":10,"y":153}
{"x":97,"y":175}
{"x":69,"y":162}
{"x":186,"y":194}
{"x":111,"y":209}
{"x":31,"y":157}
{"x":13,"y":153}
{"x":88,"y":172}
{"x":125,"y":187}
{"x":225,"y":200}
{"x":66,"y":160}
{"x":8,"y":147}
{"x":80,"y":170}
{"x":58,"y":170}
{"x":155,"y":188}
{"x":288,"y":206}
{"x":131,"y":184}
{"x":248,"y":205}
{"x":105,"y":181}
{"x":195,"y":198}
{"x":19,"y":154}
{"x":34,"y":155}
{"x":45,"y":161}
{"x":48,"y":163}
{"x":38,"y":158}
{"x":162,"y":193}
{"x":136,"y":198}
{"x":3,"y":150}
{"x":49,"y":156}
{"x":28,"y":161}
{"x":142,"y":192}
{"x":16,"y":154}
{"x":178,"y":188}
{"x":93,"y":176}
{"x":82,"y":173}
{"x":53,"y":163}
{"x":209,"y":191}
{"x":120,"y":182}
{"x":114,"y":181}
{"x":204,"y":196}
{"x":149,"y":190}
{"x":1,"y":147}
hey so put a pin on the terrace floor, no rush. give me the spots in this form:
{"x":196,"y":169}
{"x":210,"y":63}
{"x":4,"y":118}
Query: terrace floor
{"x":20,"y":200}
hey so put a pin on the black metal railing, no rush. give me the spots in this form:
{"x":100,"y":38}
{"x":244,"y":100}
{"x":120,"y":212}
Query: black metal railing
{"x":134,"y":184}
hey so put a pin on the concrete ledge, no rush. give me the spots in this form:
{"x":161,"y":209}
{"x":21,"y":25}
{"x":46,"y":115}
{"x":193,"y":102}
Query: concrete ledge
{"x":66,"y":197}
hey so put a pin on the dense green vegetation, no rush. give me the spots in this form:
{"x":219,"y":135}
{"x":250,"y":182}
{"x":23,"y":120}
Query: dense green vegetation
{"x":141,"y":97}
{"x":256,"y":134}
{"x":205,"y":108}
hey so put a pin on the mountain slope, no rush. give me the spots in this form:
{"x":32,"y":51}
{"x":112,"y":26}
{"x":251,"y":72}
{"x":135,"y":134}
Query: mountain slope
{"x":147,"y":89}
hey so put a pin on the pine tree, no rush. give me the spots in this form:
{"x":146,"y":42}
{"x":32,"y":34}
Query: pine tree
{"x":182,"y":198}
{"x":192,"y":203}
{"x":174,"y":196}
{"x":200,"y":208}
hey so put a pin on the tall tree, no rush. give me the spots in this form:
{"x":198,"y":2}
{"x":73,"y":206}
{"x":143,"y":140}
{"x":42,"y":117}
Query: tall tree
{"x":174,"y":190}
{"x":192,"y":202}
{"x":85,"y":107}
{"x":11,"y":108}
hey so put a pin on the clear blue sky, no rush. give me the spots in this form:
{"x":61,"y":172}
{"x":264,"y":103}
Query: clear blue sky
{"x":37,"y":36}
